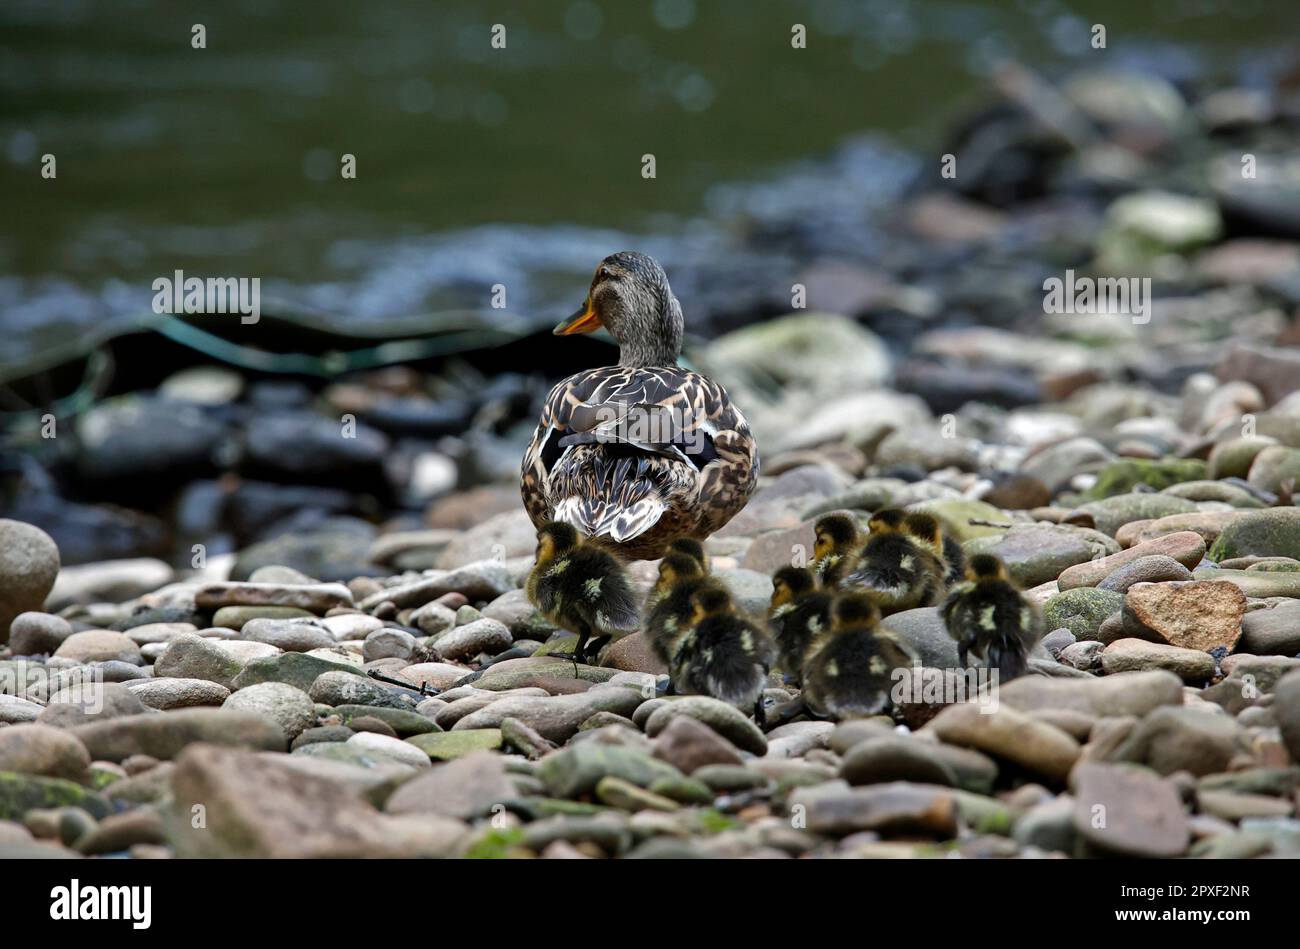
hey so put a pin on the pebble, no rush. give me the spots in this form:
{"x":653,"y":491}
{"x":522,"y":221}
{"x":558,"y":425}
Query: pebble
{"x":480,"y":636}
{"x":33,"y":633}
{"x":169,"y":693}
{"x":166,"y":734}
{"x":90,"y":701}
{"x":1202,"y":614}
{"x":688,"y":744}
{"x":316,"y":598}
{"x":262,"y":807}
{"x":402,"y":752}
{"x":292,"y":668}
{"x":464,"y":788}
{"x":1138,"y":655}
{"x":348,"y":688}
{"x":196,"y":657}
{"x":724,"y":719}
{"x":1184,"y":739}
{"x":555,"y":717}
{"x":1081,"y":610}
{"x":29,"y":564}
{"x":444,"y":746}
{"x":898,"y":808}
{"x":1009,"y":735}
{"x":288,"y":635}
{"x":42,"y":750}
{"x":1128,"y":812}
{"x":99,"y":645}
{"x":1185,"y":547}
{"x":289,"y":707}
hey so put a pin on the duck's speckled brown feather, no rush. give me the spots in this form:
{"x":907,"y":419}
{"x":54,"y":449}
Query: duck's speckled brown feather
{"x":595,"y":463}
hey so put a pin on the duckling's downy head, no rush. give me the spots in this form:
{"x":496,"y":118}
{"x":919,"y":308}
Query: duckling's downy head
{"x":834,"y":532}
{"x":712,"y":599}
{"x":986,"y":567}
{"x":555,"y":539}
{"x":631,"y":298}
{"x":924,"y":528}
{"x":790,"y":582}
{"x":691,"y":548}
{"x":854,"y":609}
{"x":887,"y":521}
{"x":677,"y":567}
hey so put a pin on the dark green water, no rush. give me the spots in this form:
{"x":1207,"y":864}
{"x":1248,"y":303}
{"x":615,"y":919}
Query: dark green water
{"x":225,"y":160}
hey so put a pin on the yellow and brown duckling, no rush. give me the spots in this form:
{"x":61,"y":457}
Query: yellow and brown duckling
{"x":799,"y":612}
{"x":837,"y":537}
{"x":989,"y":618}
{"x":897,"y":570}
{"x":691,"y":548}
{"x":930,"y":531}
{"x":581,"y":586}
{"x":850,"y":672}
{"x":723,"y":655}
{"x":642,"y":452}
{"x":668,"y":605}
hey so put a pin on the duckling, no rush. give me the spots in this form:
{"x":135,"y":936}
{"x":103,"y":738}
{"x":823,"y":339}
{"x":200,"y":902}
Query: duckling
{"x":987,"y":616}
{"x":581,"y":586}
{"x":850,"y":672}
{"x":836,"y":539}
{"x":723,"y":655}
{"x":798,"y":614}
{"x":691,"y":548}
{"x":899,"y":572}
{"x":929,"y":530}
{"x":668,"y":607}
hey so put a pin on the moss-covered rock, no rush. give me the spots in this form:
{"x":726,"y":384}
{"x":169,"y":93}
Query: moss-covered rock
{"x":1081,"y":610}
{"x":402,"y":721}
{"x":578,"y":768}
{"x":1121,"y":477}
{"x":957,"y":515}
{"x":1114,"y":512}
{"x":443,"y":746}
{"x":1273,"y":467}
{"x":1233,"y":458}
{"x":20,"y":793}
{"x":1271,"y":533}
{"x":292,"y":668}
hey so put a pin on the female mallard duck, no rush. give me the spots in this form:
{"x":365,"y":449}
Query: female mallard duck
{"x":637,"y":454}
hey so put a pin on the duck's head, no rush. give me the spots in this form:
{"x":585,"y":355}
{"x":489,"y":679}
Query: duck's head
{"x":555,"y":540}
{"x":986,"y":567}
{"x":790,"y":582}
{"x":889,"y":520}
{"x":834,"y":533}
{"x":712,"y":599}
{"x":854,"y":609}
{"x":926,"y":529}
{"x":630,"y":297}
{"x":691,"y":548}
{"x":676,"y":567}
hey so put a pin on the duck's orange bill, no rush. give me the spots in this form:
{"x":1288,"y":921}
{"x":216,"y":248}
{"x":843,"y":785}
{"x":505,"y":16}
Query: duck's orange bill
{"x":584,"y":321}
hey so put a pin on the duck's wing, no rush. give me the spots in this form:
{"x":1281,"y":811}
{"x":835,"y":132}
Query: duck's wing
{"x":663,"y":430}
